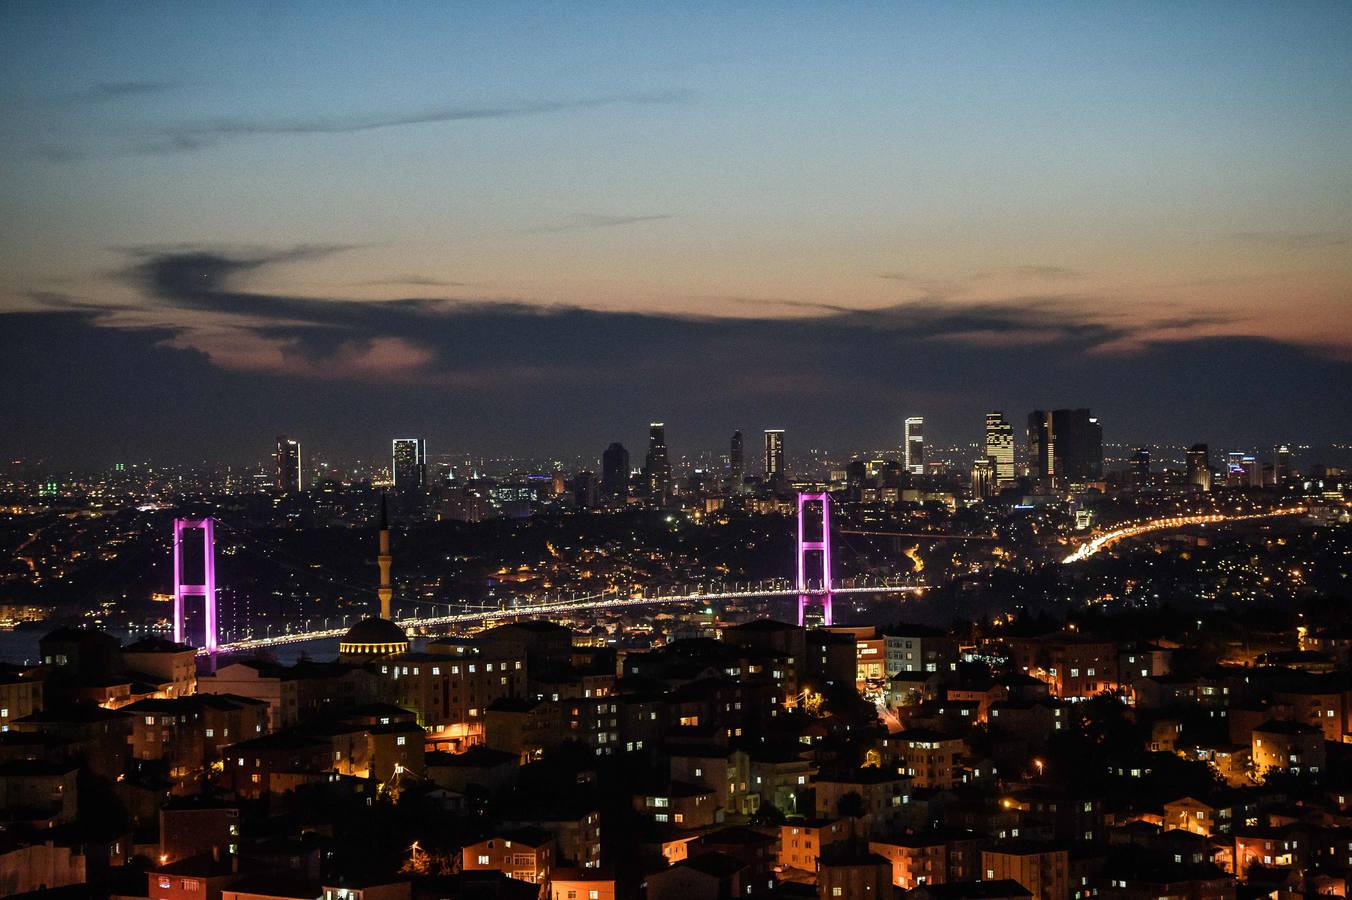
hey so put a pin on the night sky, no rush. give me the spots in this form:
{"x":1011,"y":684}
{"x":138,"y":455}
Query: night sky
{"x":534,"y":227}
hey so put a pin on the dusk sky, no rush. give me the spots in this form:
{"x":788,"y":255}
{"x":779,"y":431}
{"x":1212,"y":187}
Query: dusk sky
{"x":534,"y":227}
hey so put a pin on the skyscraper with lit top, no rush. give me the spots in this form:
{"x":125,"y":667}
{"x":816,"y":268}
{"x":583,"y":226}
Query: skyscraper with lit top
{"x":914,"y":445}
{"x":1000,"y":448}
{"x":287,"y":478}
{"x":774,"y":455}
{"x":657,"y":465}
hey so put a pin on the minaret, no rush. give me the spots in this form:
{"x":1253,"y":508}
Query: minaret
{"x":384,"y":560}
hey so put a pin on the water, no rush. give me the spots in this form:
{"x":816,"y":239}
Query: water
{"x":21,"y":648}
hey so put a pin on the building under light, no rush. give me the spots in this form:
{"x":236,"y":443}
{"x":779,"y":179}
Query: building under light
{"x":915,"y":445}
{"x":657,"y":465}
{"x":774,"y":454}
{"x":287,"y":478}
{"x":1000,"y":448}
{"x":1199,"y":466}
{"x":736,"y":463}
{"x":408,"y":464}
{"x":983,"y":478}
{"x":1065,"y":446}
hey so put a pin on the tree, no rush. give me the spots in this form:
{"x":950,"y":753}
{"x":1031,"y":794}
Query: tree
{"x":851,"y":805}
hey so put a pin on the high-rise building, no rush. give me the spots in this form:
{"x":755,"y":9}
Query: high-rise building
{"x":288,"y":478}
{"x":1140,"y":467}
{"x":1065,"y":446}
{"x":1041,"y":446}
{"x":915,"y":445}
{"x":774,"y":454}
{"x":1253,"y":471}
{"x":1000,"y":448}
{"x":584,"y":490}
{"x":408,"y":466}
{"x":657,"y":465}
{"x":736,"y":462}
{"x":1281,"y":464}
{"x":983,"y":477}
{"x":1079,"y":445}
{"x":615,"y":474}
{"x":1199,"y":466}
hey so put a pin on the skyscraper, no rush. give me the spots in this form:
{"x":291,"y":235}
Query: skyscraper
{"x":1199,"y":466}
{"x":1065,"y":445}
{"x":615,"y":474}
{"x":915,"y":445}
{"x":1041,"y":446}
{"x":1253,"y":471}
{"x":584,"y":490}
{"x":657,"y":465}
{"x":288,"y":474}
{"x":736,"y":463}
{"x":1000,"y":448}
{"x":1140,"y":467}
{"x":1281,"y":464}
{"x":1079,"y":445}
{"x":774,"y":455}
{"x":409,"y":464}
{"x":983,"y":477}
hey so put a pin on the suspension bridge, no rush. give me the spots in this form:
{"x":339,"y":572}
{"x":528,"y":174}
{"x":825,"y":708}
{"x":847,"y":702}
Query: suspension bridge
{"x":813,"y":586}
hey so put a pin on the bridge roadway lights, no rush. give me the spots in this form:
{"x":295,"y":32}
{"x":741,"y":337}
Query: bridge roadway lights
{"x":206,"y":590}
{"x":805,"y":594}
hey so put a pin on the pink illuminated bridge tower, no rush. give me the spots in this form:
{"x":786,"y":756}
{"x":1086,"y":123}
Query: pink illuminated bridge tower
{"x":807,"y":592}
{"x":206,"y":590}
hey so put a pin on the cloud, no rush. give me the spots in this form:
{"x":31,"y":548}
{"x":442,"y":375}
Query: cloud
{"x":444,"y":113}
{"x":955,"y":284}
{"x":1049,"y":272}
{"x":111,"y":90}
{"x":411,"y":281}
{"x":228,"y":367}
{"x":446,"y":337}
{"x":196,"y":136}
{"x":778,"y":303}
{"x":583,"y":221}
{"x":529,"y":381}
{"x":190,"y":137}
{"x":1293,"y":240}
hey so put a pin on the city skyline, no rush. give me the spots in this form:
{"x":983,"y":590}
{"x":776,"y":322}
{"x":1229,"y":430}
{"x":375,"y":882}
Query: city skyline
{"x":635,"y":451}
{"x":536,"y":232}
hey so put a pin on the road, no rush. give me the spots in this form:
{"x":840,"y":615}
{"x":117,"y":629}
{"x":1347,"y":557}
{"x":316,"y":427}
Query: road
{"x":1108,"y":538}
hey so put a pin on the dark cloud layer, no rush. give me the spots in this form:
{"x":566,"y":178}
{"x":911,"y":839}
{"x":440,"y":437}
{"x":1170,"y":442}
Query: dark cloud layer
{"x":189,"y":137}
{"x":519,"y":377}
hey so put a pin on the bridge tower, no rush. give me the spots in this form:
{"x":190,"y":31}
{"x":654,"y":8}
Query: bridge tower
{"x":206,"y":590}
{"x":806,"y":594}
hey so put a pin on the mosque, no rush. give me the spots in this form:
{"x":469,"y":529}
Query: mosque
{"x":376,"y":636}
